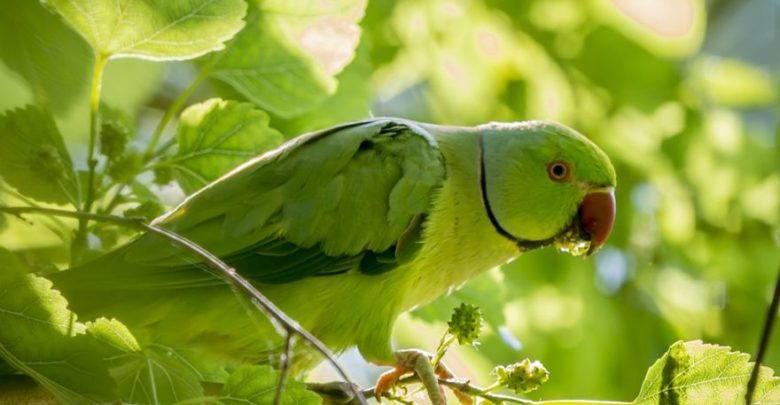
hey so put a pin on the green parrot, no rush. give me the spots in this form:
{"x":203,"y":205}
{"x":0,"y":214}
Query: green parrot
{"x":346,"y":228}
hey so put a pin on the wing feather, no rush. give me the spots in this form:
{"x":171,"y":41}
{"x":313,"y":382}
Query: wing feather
{"x":315,"y":206}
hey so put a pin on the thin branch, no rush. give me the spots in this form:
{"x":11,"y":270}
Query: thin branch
{"x":174,"y":109}
{"x":466,"y":387}
{"x":444,"y":344}
{"x":220,"y":268}
{"x":284,"y":368}
{"x":80,"y":240}
{"x":771,"y":315}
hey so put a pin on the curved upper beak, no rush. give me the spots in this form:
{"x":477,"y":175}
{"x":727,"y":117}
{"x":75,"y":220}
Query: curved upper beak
{"x":597,"y":215}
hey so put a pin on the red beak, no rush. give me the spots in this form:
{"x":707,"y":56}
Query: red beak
{"x":597,"y":215}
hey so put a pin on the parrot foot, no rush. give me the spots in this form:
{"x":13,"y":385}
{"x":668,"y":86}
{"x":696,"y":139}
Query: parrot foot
{"x":419,"y":362}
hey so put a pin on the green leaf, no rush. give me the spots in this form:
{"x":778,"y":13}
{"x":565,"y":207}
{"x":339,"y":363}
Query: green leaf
{"x":52,"y":59}
{"x":96,"y":362}
{"x":154,"y":29}
{"x":41,"y":338}
{"x":33,"y":158}
{"x":257,"y":385}
{"x":697,"y":373}
{"x":352,"y":100}
{"x":217,"y":135}
{"x":157,"y":375}
{"x":286,"y":58}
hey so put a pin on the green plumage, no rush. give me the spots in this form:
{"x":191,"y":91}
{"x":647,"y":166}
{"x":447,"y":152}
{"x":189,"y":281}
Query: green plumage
{"x":344,"y":229}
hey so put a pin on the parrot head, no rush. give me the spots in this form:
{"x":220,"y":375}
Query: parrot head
{"x":545,"y":184}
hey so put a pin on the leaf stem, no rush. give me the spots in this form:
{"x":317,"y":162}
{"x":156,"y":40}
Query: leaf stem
{"x":218,"y":267}
{"x":174,"y":109}
{"x":80,"y":240}
{"x":57,"y":226}
{"x":441,"y":350}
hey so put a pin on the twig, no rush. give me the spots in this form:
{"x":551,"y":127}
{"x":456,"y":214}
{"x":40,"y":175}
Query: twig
{"x":463,"y":385}
{"x":221,"y":269}
{"x":80,"y":241}
{"x":771,"y":315}
{"x":441,"y":350}
{"x":284,"y":368}
{"x":173,"y":109}
{"x":466,"y":387}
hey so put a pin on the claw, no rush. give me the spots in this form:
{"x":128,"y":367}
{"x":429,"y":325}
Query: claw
{"x":388,"y":379}
{"x":419,"y":362}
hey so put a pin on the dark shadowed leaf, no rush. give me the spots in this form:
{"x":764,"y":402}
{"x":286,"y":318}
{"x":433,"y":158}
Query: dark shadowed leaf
{"x":33,"y":158}
{"x":52,"y":58}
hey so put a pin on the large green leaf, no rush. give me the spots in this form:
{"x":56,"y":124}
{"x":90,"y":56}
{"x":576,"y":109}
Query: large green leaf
{"x":286,"y":58}
{"x":696,"y":373}
{"x":154,"y":29}
{"x":42,"y":338}
{"x":158,"y":375}
{"x":256,"y":385}
{"x":52,"y":58}
{"x":217,"y":135}
{"x":33,"y":157}
{"x":352,"y":100}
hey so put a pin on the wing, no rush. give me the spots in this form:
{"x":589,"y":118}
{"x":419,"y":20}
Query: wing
{"x":350,"y":198}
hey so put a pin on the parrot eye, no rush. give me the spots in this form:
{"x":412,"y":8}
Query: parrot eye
{"x":558,"y":171}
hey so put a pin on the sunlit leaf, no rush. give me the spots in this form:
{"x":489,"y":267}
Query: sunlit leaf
{"x":217,"y":135}
{"x":697,"y":373}
{"x":42,"y":338}
{"x":33,"y":158}
{"x":286,"y":58}
{"x":154,"y":29}
{"x":257,"y":385}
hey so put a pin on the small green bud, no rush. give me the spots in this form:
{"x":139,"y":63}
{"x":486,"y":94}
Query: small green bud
{"x":116,"y":129}
{"x":465,"y":324}
{"x":163,"y":175}
{"x":147,"y":209}
{"x":113,"y":139}
{"x":524,"y":376}
{"x":126,"y":168}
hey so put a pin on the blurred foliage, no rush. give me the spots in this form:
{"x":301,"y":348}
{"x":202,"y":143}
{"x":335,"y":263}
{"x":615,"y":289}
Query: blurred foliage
{"x":684,"y":96}
{"x":693,"y":135}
